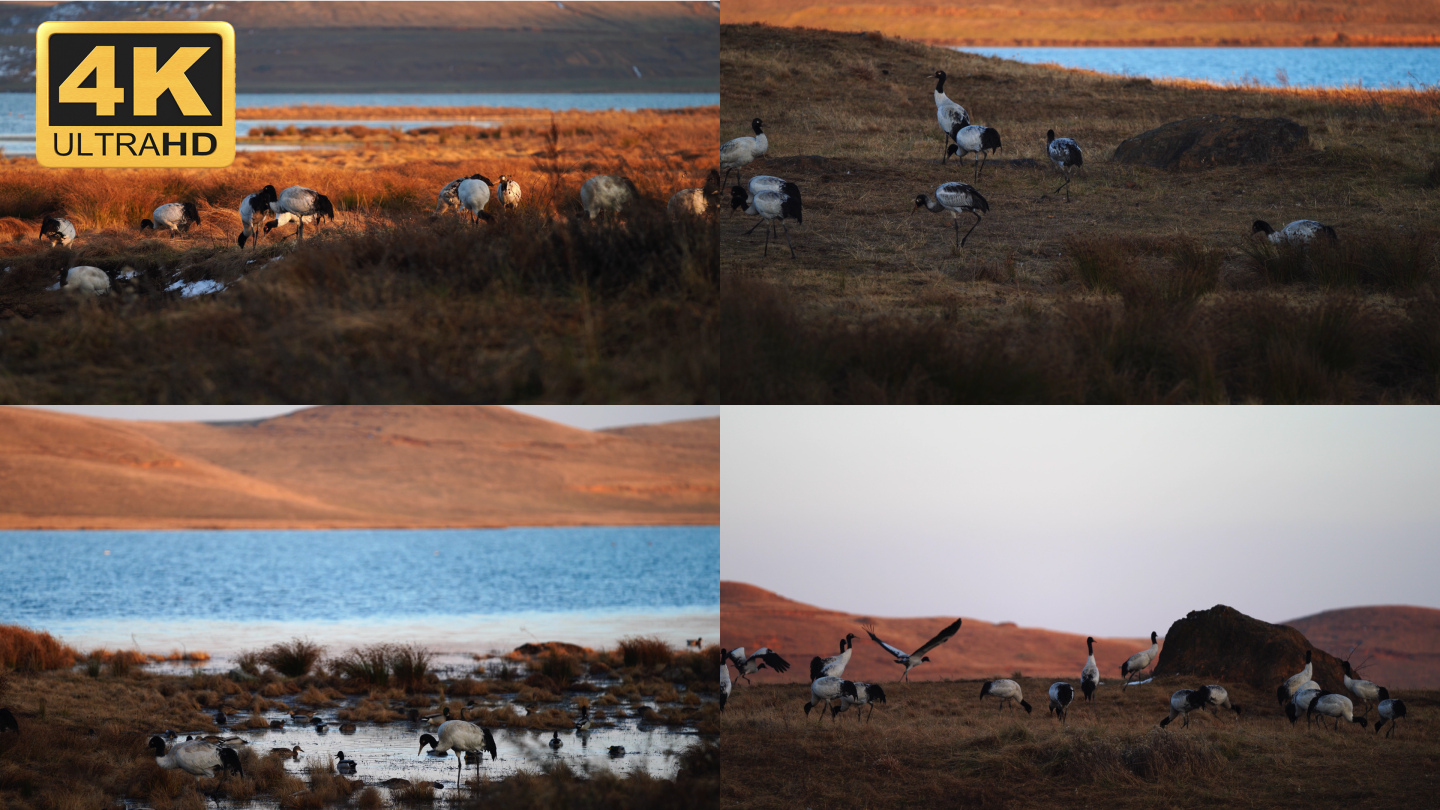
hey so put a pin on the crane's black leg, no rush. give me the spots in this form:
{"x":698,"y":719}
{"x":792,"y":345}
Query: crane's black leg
{"x":787,"y":239}
{"x":753,"y":227}
{"x":767,"y":253}
{"x":972,"y":227}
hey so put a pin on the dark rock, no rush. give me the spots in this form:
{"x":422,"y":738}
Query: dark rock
{"x":1224,"y":646}
{"x":1213,"y":140}
{"x":550,"y":646}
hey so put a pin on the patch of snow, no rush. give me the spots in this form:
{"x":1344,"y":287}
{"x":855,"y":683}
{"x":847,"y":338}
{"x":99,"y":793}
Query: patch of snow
{"x":190,"y":289}
{"x":54,"y":286}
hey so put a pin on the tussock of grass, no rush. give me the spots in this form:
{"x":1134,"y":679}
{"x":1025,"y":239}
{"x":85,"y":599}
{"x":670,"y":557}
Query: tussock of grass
{"x":27,"y":650}
{"x":293,"y":658}
{"x":645,"y":651}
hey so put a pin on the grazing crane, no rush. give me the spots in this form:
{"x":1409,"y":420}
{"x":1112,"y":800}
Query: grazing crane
{"x":1185,"y":701}
{"x":1220,"y":699}
{"x":866,"y":694}
{"x":461,"y":735}
{"x":290,"y":753}
{"x":257,"y":203}
{"x":555,"y":742}
{"x":196,"y":757}
{"x":57,"y":230}
{"x":1328,"y":704}
{"x":957,"y":198}
{"x":951,"y":116}
{"x":776,"y":207}
{"x":509,"y":192}
{"x":724,"y":685}
{"x":300,"y":204}
{"x":835,"y":664}
{"x":741,"y":196}
{"x":8,"y":722}
{"x":978,"y":141}
{"x":915,"y":659}
{"x":826,"y":689}
{"x":762,"y":658}
{"x":1367,"y":691}
{"x":1391,"y":710}
{"x":86,"y":279}
{"x":473,"y":192}
{"x":448,"y":199}
{"x":1090,"y":674}
{"x":1065,"y":154}
{"x":175,"y":216}
{"x":1301,"y":702}
{"x":695,"y":203}
{"x":607,"y":192}
{"x":1060,"y":696}
{"x":342,"y":764}
{"x":1007,"y":690}
{"x":1287,"y":690}
{"x":1299,"y":232}
{"x":1140,"y":660}
{"x":743,"y":150}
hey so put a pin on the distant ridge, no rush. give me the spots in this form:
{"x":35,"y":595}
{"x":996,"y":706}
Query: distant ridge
{"x":1402,"y":642}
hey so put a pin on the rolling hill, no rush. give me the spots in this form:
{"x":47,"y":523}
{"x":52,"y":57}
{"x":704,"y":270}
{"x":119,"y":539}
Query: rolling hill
{"x":415,"y":466}
{"x":1401,"y":643}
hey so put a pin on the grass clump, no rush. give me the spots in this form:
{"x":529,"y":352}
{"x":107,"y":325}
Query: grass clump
{"x":294,"y":658}
{"x":645,"y":651}
{"x":26,"y":650}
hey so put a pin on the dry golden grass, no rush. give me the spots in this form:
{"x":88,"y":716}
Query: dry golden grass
{"x":28,"y":650}
{"x":937,"y":744}
{"x":880,"y":306}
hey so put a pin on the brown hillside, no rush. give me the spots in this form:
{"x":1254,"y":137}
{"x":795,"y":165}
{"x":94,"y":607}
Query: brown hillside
{"x":753,"y":617}
{"x":351,"y":466}
{"x":1401,"y":643}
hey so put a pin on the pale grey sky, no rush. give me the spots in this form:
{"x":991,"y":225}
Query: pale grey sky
{"x":1107,"y":521}
{"x":590,"y":417}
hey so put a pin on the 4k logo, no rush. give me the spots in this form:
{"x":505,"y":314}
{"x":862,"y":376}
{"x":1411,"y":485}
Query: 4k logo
{"x":135,"y":94}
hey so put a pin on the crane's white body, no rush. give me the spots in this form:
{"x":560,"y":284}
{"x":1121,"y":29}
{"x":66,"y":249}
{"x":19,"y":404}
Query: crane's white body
{"x":956,"y":199}
{"x":1185,"y":701}
{"x":1140,"y":660}
{"x":687,"y":203}
{"x":950,"y":116}
{"x":1061,"y":694}
{"x":172,"y":216}
{"x":57,"y":230}
{"x":724,"y":680}
{"x":195,"y":757}
{"x":827,"y":689}
{"x":866,"y":694}
{"x":1336,"y":706}
{"x":1066,"y":155}
{"x":86,"y":280}
{"x":509,"y":192}
{"x":1090,"y":673}
{"x":607,"y":192}
{"x":1299,"y":232}
{"x":257,"y":204}
{"x":1297,"y":681}
{"x":302,"y":205}
{"x":458,"y":736}
{"x":834,"y":666}
{"x":742,"y":151}
{"x":1007,"y":690}
{"x":474,"y":194}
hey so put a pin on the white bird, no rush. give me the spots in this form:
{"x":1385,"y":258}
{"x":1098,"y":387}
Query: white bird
{"x":342,"y":764}
{"x":86,"y":279}
{"x":461,"y":735}
{"x":57,"y":230}
{"x":1060,"y":696}
{"x":866,"y":694}
{"x":776,"y":207}
{"x":1185,"y":701}
{"x":743,"y":150}
{"x":826,"y":689}
{"x":956,"y":198}
{"x":175,"y":216}
{"x":1090,"y":674}
{"x":555,"y":742}
{"x":1007,"y":690}
{"x":915,"y":659}
{"x":1367,"y":691}
{"x":257,"y":203}
{"x":196,"y":757}
{"x":448,"y":199}
{"x":724,"y":681}
{"x":978,"y":141}
{"x":473,"y":192}
{"x":951,"y":116}
{"x":1336,"y":706}
{"x":741,"y":196}
{"x":1066,"y":155}
{"x":1299,"y":232}
{"x":1391,"y":709}
{"x":1140,"y":660}
{"x":1219,"y":699}
{"x":835,"y":664}
{"x":1287,"y":690}
{"x":1301,"y":701}
{"x":695,"y":203}
{"x":302,"y":205}
{"x":607,"y":192}
{"x":762,"y":658}
{"x":509,"y":191}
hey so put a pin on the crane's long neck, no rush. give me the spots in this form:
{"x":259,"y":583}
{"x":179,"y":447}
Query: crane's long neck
{"x":940,"y":87}
{"x":934,"y":205}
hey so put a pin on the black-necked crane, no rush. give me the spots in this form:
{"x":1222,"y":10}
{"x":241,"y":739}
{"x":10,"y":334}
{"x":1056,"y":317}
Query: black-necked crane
{"x":1367,"y":691}
{"x":447,"y":199}
{"x":176,"y":217}
{"x":763,"y":657}
{"x":740,"y":196}
{"x":1089,"y":674}
{"x":724,"y":686}
{"x":866,"y":694}
{"x":1287,"y":690}
{"x":196,"y":757}
{"x":823,"y":690}
{"x":835,"y":664}
{"x":1300,"y":702}
{"x":555,"y":742}
{"x":1061,"y":694}
{"x":253,"y":204}
{"x":1299,"y":232}
{"x":1066,"y":156}
{"x":1391,"y":710}
{"x":951,"y":116}
{"x":473,"y":192}
{"x":957,"y":199}
{"x":1329,"y":704}
{"x":978,"y":141}
{"x":741,"y":151}
{"x":775,"y":207}
{"x":509,"y":191}
{"x":1007,"y":690}
{"x":300,"y":204}
{"x":342,"y":764}
{"x":1219,"y":698}
{"x":915,"y":659}
{"x":1185,"y":701}
{"x":57,"y":230}
{"x":458,"y":736}
{"x":289,"y":753}
{"x":1140,"y":660}
{"x":607,"y":193}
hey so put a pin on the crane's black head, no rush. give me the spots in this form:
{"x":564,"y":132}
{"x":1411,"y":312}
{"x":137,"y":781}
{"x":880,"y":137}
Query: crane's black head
{"x":1154,"y":637}
{"x":1329,"y":232}
{"x":323,"y":207}
{"x":925,"y":660}
{"x":921,"y":201}
{"x":426,"y":739}
{"x":847,"y":688}
{"x":939,"y":77}
{"x":1066,"y":693}
{"x":989,"y":138}
{"x":241,"y":240}
{"x":1397,"y":708}
{"x":874,"y":693}
{"x":1384,"y":693}
{"x":1261,"y":226}
{"x":952,"y":149}
{"x":1281,"y":694}
{"x":192,"y":214}
{"x":147,"y":225}
{"x":1049,"y":135}
{"x":737,"y":197}
{"x":264,"y":197}
{"x":1090,"y":640}
{"x":791,"y":208}
{"x":1309,"y":655}
{"x":1292,"y":711}
{"x":1361,"y":721}
{"x":49,"y":225}
{"x":1346,"y":664}
{"x":755,"y":125}
{"x":159,"y":746}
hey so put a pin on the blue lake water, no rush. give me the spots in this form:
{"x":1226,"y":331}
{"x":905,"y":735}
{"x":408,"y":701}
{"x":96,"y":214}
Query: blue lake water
{"x":1271,"y":67}
{"x":456,"y":590}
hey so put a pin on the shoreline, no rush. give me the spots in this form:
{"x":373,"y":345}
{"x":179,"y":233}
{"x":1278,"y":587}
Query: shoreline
{"x":25,"y":523}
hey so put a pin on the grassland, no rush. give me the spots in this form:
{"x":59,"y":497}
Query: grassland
{"x":1147,"y":287}
{"x":1110,"y":22}
{"x":935,"y":744}
{"x":385,"y":304}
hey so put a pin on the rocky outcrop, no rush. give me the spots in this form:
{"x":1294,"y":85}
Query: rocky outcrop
{"x":1226,"y":646}
{"x":1206,"y":141}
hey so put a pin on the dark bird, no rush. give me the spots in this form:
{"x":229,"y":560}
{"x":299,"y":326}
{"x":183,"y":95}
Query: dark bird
{"x":763,"y":657}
